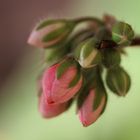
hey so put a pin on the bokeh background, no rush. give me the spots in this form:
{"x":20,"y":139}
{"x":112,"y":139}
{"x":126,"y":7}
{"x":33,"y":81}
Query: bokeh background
{"x":20,"y":64}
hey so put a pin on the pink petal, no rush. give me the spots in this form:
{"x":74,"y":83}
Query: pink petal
{"x":47,"y":81}
{"x":49,"y":111}
{"x":60,"y":86}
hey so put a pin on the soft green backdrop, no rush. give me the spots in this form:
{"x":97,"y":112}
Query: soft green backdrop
{"x":19,"y":117}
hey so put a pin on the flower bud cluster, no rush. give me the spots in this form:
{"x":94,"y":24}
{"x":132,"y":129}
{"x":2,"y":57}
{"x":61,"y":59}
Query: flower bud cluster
{"x":79,"y":56}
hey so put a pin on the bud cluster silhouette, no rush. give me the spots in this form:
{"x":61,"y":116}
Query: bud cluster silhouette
{"x":80,"y":51}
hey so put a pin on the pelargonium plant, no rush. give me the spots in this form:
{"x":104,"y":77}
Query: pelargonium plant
{"x":80,"y":51}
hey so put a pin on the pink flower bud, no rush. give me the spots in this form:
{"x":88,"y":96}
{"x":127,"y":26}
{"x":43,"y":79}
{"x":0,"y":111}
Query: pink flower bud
{"x":49,"y":33}
{"x":58,"y":90}
{"x":87,"y":113}
{"x":49,"y":110}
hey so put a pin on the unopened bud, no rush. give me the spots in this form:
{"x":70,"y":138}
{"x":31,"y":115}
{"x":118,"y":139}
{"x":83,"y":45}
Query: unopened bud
{"x":61,"y":81}
{"x":122,"y":33}
{"x":111,"y":57}
{"x":92,"y":103}
{"x":103,"y":34}
{"x":118,"y":81}
{"x":50,"y":33}
{"x":87,"y":53}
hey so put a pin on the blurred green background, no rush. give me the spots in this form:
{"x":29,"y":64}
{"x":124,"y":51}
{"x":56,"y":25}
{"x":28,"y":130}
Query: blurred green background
{"x":19,"y":117}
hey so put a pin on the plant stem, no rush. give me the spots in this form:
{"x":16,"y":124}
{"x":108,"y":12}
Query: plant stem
{"x":136,"y":41}
{"x":108,"y":44}
{"x":87,"y":19}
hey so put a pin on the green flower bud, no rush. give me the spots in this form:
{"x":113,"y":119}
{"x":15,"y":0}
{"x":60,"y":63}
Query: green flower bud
{"x":118,"y":81}
{"x":81,"y":36}
{"x":111,"y":57}
{"x":122,"y":33}
{"x":51,"y":33}
{"x":87,"y":53}
{"x":103,"y":34}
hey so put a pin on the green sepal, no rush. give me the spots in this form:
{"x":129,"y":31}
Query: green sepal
{"x":83,"y":93}
{"x":93,"y":81}
{"x":45,"y":23}
{"x":122,"y":33}
{"x":75,"y":80}
{"x":97,"y":60}
{"x":50,"y":53}
{"x":99,"y":94}
{"x":63,"y":67}
{"x":62,"y":31}
{"x":84,"y":90}
{"x":77,"y":52}
{"x":81,"y":36}
{"x":100,"y":90}
{"x":110,"y":57}
{"x":98,"y":98}
{"x":118,"y":81}
{"x":55,"y":34}
{"x":87,"y":45}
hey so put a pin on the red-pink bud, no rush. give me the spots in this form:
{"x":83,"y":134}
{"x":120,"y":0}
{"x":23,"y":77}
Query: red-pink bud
{"x":49,"y":110}
{"x":58,"y":90}
{"x":87,"y":113}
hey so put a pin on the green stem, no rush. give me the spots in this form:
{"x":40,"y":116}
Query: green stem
{"x":87,"y":19}
{"x":136,"y":41}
